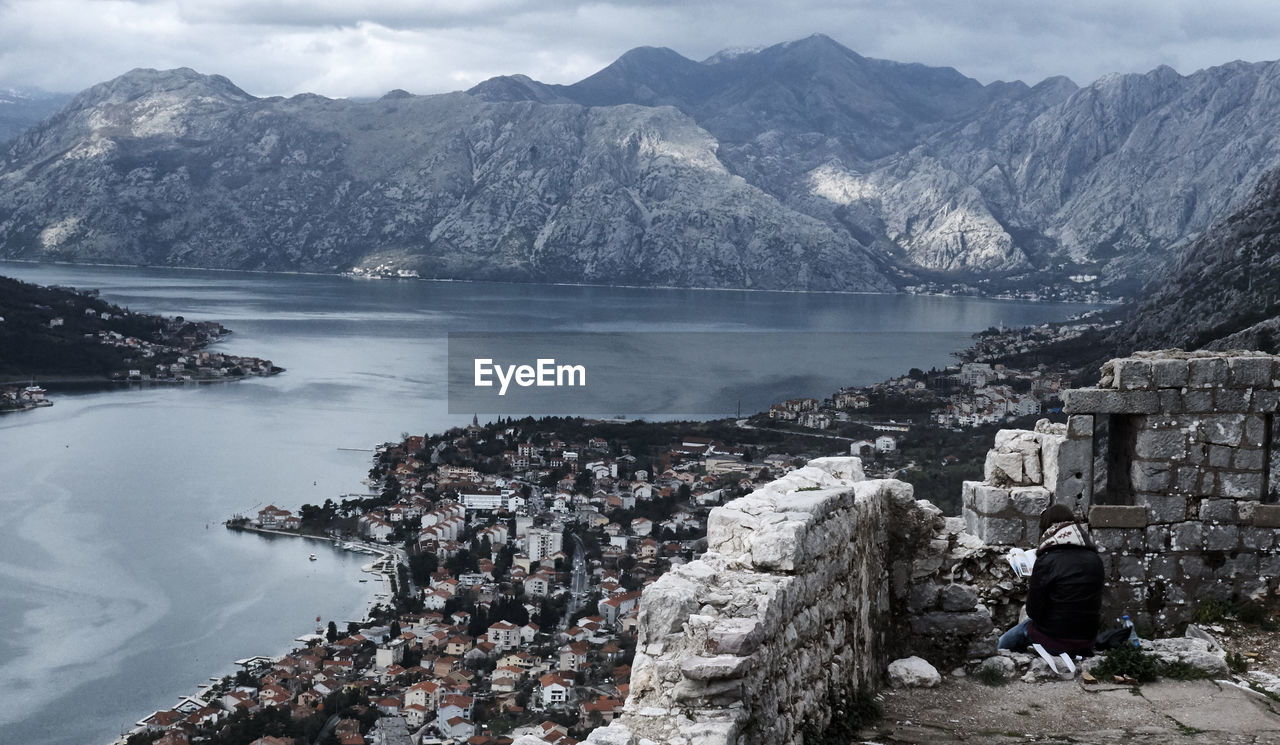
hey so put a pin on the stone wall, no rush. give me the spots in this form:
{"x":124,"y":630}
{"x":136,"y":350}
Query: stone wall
{"x":809,"y":587}
{"x":1179,"y":487}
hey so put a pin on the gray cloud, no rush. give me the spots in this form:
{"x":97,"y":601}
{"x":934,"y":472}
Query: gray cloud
{"x":357,"y":47}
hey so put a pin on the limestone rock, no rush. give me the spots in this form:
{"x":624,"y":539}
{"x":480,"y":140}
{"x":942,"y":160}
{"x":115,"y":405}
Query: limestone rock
{"x":1004,"y":666}
{"x":913,"y":672}
{"x":1195,"y":652}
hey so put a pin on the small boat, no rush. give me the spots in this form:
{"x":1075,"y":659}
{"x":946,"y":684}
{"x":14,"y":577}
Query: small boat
{"x":312,"y":557}
{"x":364,"y":580}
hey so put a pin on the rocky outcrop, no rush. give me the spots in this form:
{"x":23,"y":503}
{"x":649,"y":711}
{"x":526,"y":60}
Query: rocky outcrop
{"x":181,"y":169}
{"x":809,"y":587}
{"x":799,"y":166}
{"x":1221,"y":293}
{"x":949,"y":175}
{"x":20,"y":108}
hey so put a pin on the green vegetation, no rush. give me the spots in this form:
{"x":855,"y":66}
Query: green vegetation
{"x":1129,"y":661}
{"x":990,"y":676}
{"x":31,"y":346}
{"x":1132,"y":662}
{"x":1236,"y":662}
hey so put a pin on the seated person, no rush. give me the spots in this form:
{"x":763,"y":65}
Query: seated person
{"x":1064,"y":601}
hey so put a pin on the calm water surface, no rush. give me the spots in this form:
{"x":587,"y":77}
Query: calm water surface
{"x":120,"y":590}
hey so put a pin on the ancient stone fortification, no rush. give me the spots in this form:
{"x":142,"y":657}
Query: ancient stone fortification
{"x":814,"y":582}
{"x":1172,"y":460}
{"x":809,"y":587}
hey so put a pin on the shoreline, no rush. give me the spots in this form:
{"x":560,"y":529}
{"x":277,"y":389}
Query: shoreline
{"x":356,"y":546}
{"x":349,"y":276}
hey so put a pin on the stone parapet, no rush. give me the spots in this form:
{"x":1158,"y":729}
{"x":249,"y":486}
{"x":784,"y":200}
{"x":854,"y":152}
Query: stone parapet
{"x":802,"y":595}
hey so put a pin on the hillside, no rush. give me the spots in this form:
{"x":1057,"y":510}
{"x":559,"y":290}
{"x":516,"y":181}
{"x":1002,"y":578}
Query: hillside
{"x":800,"y":166}
{"x":1224,"y":290}
{"x":60,"y":333}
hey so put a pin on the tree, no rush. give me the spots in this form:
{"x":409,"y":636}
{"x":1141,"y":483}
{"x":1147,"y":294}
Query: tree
{"x":332,"y":634}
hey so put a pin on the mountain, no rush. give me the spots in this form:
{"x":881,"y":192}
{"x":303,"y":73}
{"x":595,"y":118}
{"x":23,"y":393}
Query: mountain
{"x":946,"y":175}
{"x":176,"y":168}
{"x":798,"y":166}
{"x":22,"y":107}
{"x":1224,"y":290}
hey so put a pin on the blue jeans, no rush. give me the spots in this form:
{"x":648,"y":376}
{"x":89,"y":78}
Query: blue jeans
{"x":1016,"y":638}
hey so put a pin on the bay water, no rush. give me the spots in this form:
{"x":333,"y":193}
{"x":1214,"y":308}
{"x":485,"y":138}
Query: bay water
{"x":119,"y":588}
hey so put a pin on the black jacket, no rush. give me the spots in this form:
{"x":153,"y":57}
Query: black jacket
{"x":1064,"y":600}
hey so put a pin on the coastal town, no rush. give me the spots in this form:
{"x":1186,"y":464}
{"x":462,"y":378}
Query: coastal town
{"x":67,"y":335}
{"x":512,"y":557}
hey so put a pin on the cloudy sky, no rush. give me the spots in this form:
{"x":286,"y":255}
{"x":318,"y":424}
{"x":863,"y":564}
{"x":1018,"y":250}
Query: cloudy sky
{"x":360,"y":48}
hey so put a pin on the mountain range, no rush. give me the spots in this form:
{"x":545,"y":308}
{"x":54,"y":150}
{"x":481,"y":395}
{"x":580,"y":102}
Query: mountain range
{"x":799,"y":166}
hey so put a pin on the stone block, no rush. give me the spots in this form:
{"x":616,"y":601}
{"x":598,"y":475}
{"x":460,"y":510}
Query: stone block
{"x":1221,"y":537}
{"x":1160,"y":444}
{"x":1250,"y":372}
{"x":1197,"y":402}
{"x":1223,"y":429}
{"x":735,"y":636}
{"x":1110,"y":539}
{"x":1169,"y":373}
{"x":1050,"y":449}
{"x":1157,"y":538}
{"x":1003,"y":469}
{"x":1231,"y":399}
{"x":1101,"y":401}
{"x":1240,"y":485}
{"x":1030,"y":500}
{"x":1266,"y":401}
{"x":779,"y":546}
{"x":720,"y":667}
{"x":1187,"y":480}
{"x":1192,"y":567}
{"x":1255,"y":430}
{"x":923,"y":596}
{"x":1248,"y":460}
{"x":1080,"y":427}
{"x":913,"y":672}
{"x":1075,"y":473}
{"x":1150,"y":475}
{"x":1132,"y":375}
{"x":990,"y":500}
{"x":1220,"y":456}
{"x":1017,"y":441}
{"x":1188,"y":536}
{"x":1207,"y":372}
{"x":1164,"y":509}
{"x":958,"y":598}
{"x":1162,"y":567}
{"x":1171,"y":401}
{"x":1261,"y":515}
{"x":1117,"y":516}
{"x":1257,"y":539}
{"x":1000,"y":531}
{"x":1032,"y":472}
{"x":1269,"y":565}
{"x":1130,"y":569}
{"x":1218,"y":510}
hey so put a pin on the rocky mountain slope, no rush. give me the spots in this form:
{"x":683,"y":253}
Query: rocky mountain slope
{"x":948,"y":175}
{"x":20,"y":108}
{"x":181,"y":169}
{"x":1224,"y":290}
{"x":799,"y":166}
